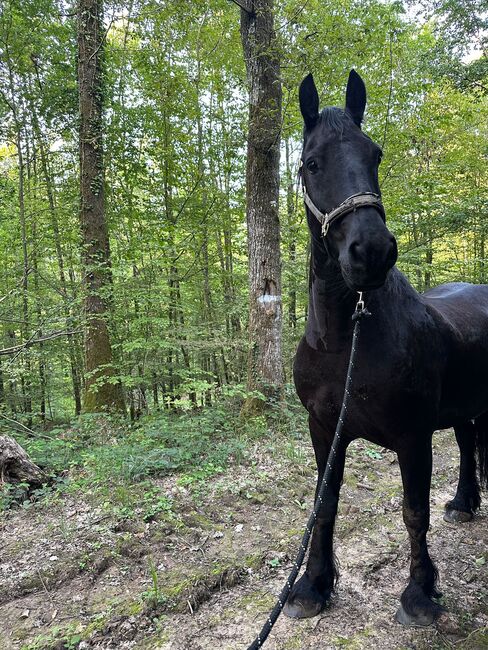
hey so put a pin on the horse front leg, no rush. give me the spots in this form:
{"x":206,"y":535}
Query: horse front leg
{"x":312,"y":591}
{"x":417,"y":607}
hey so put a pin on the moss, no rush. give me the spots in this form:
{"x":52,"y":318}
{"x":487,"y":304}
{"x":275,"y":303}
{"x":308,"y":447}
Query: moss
{"x":257,"y":497}
{"x":20,"y":634}
{"x":295,"y":642}
{"x":56,"y":636}
{"x":197,"y":587}
{"x":293,"y":532}
{"x":55,"y":575}
{"x":198,"y":520}
{"x":253,"y":407}
{"x":155,"y":640}
{"x":107,"y":398}
{"x":254,"y":561}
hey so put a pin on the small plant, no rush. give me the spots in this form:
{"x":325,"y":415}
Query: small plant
{"x":153,"y":596}
{"x":155,"y":503}
{"x":373,"y":453}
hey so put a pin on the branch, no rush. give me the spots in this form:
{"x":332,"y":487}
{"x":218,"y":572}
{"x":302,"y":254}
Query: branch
{"x":23,"y":346}
{"x":244,"y":4}
{"x":16,"y":423}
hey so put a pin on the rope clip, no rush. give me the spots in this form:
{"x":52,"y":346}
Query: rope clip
{"x":360,"y":302}
{"x":360,"y":308}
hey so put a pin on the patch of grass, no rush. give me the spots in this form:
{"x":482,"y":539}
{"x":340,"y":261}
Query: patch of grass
{"x":475,"y":641}
{"x":257,"y":600}
{"x":294,"y":642}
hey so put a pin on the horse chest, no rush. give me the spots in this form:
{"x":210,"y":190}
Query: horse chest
{"x":388,"y":394}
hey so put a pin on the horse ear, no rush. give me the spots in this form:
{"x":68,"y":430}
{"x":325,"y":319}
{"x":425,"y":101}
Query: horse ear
{"x":309,"y":101}
{"x":355,"y":97}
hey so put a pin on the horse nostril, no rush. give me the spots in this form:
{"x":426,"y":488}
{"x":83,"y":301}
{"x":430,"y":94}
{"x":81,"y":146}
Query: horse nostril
{"x":355,"y":249}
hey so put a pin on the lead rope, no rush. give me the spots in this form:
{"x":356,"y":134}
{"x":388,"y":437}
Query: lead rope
{"x":359,"y":312}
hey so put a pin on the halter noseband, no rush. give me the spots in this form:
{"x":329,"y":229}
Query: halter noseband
{"x":351,"y":204}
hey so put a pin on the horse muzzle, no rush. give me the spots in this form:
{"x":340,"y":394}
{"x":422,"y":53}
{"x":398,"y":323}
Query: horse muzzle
{"x":365,"y":267}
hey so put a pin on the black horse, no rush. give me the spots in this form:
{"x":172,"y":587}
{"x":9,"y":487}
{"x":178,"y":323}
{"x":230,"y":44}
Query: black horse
{"x":422,"y":359}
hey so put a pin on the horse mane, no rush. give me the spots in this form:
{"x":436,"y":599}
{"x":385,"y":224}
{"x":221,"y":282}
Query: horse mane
{"x":334,"y":118}
{"x":397,"y":284}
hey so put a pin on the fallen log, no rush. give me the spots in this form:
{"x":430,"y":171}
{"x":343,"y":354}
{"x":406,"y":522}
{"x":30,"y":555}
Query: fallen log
{"x":16,"y":466}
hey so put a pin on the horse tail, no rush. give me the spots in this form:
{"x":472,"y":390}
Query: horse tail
{"x":481,"y":424}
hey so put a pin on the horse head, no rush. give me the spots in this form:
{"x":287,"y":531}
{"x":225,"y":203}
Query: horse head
{"x":340,"y":179}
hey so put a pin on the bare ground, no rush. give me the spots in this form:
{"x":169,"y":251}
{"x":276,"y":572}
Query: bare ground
{"x":206,"y":575}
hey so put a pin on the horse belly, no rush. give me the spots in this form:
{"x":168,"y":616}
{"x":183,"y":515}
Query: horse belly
{"x":463,"y":309}
{"x":465,"y":387}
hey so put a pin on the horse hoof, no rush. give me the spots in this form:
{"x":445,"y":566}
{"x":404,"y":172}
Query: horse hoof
{"x":305,"y":600}
{"x":302,"y":609}
{"x":421,"y":620}
{"x":457,"y":516}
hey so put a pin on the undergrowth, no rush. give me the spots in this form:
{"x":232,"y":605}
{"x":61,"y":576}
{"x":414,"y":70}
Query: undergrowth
{"x":116,"y":461}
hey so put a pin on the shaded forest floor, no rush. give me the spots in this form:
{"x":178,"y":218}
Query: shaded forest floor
{"x":197,"y":561}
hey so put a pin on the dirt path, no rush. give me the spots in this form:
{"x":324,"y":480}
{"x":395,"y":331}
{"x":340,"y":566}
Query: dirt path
{"x":205,"y":575}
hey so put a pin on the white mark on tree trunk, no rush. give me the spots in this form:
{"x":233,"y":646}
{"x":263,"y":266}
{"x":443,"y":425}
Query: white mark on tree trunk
{"x":267,"y":299}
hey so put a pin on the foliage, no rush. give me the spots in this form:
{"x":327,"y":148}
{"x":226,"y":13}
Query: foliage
{"x":175,"y":129}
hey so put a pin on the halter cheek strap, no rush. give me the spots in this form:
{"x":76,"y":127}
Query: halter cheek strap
{"x":351,"y":204}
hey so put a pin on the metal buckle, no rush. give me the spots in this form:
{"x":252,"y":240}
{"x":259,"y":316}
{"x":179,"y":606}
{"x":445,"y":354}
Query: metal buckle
{"x":325,"y":227}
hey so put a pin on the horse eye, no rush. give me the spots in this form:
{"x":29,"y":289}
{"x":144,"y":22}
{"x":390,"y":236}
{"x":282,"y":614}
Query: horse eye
{"x":312,"y":166}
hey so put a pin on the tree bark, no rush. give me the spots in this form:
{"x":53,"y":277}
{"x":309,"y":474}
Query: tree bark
{"x":15,"y":465}
{"x":265,"y":369}
{"x":101,"y":391}
{"x":2,"y":389}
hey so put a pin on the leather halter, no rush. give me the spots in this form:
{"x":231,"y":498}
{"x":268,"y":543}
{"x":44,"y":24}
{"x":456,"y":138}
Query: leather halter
{"x":351,"y":204}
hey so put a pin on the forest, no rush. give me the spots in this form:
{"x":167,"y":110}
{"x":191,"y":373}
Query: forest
{"x":174,"y":139}
{"x":142,"y":184}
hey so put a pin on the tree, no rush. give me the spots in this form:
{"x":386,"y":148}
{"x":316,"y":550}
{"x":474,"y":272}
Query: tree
{"x":102,"y":391}
{"x":261,"y":54}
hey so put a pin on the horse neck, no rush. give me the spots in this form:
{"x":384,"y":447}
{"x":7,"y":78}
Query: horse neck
{"x":331,"y":303}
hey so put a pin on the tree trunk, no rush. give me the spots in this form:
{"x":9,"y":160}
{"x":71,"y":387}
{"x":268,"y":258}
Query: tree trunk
{"x":265,"y":369}
{"x":2,"y":388}
{"x":15,"y":465}
{"x":292,"y":240}
{"x":101,"y":391}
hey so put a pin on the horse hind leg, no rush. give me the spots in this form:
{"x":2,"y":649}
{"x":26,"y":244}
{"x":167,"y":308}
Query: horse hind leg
{"x":417,"y":606}
{"x":467,"y":499}
{"x":481,"y":426}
